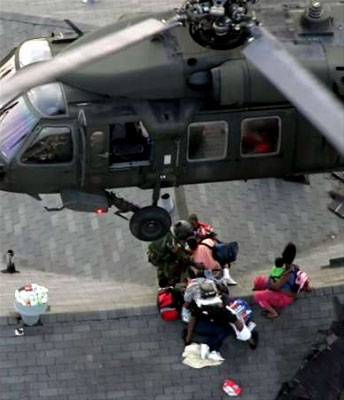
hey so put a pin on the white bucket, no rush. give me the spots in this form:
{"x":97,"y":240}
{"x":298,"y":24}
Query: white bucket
{"x":30,"y":314}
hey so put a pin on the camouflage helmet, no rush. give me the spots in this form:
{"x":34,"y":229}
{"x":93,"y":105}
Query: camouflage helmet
{"x":182,"y":230}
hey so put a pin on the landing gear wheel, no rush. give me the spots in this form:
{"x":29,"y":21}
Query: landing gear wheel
{"x":150,"y":223}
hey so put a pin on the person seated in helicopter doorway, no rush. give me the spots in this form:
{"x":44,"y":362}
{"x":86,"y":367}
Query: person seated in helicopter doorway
{"x":201,"y":230}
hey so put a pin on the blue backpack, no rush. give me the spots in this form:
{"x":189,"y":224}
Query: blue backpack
{"x":224,"y":253}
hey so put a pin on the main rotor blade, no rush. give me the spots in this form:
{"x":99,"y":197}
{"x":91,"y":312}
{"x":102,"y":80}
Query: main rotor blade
{"x":298,"y":85}
{"x":47,"y":71}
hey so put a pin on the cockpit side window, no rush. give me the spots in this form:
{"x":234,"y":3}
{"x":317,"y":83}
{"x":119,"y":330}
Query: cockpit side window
{"x":54,"y":145}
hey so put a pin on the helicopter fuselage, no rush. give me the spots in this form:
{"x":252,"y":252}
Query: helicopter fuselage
{"x":168,"y":110}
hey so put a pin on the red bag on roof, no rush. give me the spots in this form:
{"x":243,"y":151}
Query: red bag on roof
{"x":166,"y":305}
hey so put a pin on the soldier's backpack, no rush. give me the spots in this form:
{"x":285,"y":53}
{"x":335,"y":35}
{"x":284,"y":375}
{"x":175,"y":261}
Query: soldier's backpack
{"x":167,"y":304}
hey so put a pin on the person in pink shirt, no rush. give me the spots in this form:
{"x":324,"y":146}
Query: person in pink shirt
{"x":202,"y":254}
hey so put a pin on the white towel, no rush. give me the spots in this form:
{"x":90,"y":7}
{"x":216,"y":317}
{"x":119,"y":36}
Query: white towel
{"x":192,"y":357}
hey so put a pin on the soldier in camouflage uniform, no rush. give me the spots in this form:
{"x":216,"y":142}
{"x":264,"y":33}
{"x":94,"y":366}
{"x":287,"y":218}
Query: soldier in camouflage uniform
{"x":171,"y":256}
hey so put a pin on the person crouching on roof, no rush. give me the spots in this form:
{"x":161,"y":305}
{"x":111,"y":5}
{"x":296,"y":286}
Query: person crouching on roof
{"x":212,"y":317}
{"x":282,"y":288}
{"x":202,"y":254}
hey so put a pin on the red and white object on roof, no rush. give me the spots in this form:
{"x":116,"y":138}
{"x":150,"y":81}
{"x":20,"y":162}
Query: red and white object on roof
{"x":231,"y":388}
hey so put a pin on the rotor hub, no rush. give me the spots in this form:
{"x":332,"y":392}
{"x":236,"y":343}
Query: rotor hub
{"x":219,"y":24}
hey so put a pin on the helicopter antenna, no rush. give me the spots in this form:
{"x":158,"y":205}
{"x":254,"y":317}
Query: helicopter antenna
{"x":71,"y":24}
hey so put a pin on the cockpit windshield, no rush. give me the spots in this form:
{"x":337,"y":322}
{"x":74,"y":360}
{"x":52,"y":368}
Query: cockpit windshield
{"x":33,"y":51}
{"x":48,"y":99}
{"x":16,"y":122}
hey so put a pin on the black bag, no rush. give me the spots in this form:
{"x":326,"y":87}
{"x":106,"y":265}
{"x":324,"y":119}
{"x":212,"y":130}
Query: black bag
{"x":224,"y":253}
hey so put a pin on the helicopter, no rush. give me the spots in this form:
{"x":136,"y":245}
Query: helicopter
{"x":202,"y":93}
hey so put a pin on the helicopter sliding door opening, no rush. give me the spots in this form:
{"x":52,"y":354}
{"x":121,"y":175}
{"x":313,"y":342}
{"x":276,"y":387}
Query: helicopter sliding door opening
{"x":130,"y":144}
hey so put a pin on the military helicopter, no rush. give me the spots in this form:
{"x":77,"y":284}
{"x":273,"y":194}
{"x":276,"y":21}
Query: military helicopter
{"x":203,"y":93}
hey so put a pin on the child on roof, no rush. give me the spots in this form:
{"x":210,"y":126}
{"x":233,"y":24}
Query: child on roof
{"x":201,"y":230}
{"x":277,"y":271}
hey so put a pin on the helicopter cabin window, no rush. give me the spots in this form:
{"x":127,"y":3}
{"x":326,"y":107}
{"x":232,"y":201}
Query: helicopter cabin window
{"x":207,"y":141}
{"x":260,"y":136}
{"x":52,"y":146}
{"x":129,"y":142}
